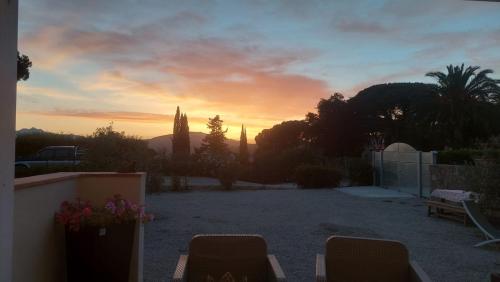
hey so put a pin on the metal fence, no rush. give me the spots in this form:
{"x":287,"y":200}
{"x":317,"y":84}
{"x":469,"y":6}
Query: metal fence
{"x":401,"y":167}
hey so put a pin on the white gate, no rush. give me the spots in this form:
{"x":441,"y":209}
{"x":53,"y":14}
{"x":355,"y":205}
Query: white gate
{"x":401,"y":167}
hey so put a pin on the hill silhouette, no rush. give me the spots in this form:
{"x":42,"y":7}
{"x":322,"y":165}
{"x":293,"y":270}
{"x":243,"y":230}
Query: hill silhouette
{"x":164,"y":142}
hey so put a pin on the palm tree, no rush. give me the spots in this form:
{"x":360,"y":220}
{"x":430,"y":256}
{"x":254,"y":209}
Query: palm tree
{"x":463,"y":92}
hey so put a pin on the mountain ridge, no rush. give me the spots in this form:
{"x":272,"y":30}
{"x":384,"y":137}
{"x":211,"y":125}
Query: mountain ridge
{"x":164,"y":143}
{"x":158,"y":143}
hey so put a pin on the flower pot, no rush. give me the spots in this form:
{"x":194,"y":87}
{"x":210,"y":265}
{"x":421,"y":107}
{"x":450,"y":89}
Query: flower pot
{"x":99,"y":254}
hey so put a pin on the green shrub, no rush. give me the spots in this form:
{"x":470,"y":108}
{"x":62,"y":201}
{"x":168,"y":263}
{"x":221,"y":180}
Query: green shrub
{"x":317,"y":176}
{"x":457,"y":157}
{"x":228,"y":174}
{"x":484,"y":178}
{"x":359,"y":171}
{"x":467,"y":156}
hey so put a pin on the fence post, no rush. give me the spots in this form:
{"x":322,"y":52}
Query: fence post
{"x":374,"y":173}
{"x":434,"y":157}
{"x":381,"y":165}
{"x":419,"y":173}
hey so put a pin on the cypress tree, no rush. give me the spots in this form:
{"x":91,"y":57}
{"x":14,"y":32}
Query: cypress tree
{"x":243,"y":146}
{"x":186,"y":141}
{"x":175,"y":133}
{"x":181,"y":147}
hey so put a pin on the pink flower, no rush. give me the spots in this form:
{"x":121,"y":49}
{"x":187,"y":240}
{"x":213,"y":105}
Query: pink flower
{"x":87,"y":212}
{"x":80,"y":213}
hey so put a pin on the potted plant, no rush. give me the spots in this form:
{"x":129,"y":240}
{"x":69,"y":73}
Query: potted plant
{"x":99,"y":240}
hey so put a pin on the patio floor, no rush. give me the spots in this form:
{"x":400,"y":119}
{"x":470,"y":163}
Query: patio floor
{"x":296,"y":223}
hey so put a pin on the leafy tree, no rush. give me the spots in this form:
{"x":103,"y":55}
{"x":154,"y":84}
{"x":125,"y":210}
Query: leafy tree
{"x":288,"y":134}
{"x":403,"y":112}
{"x":333,"y":129}
{"x":280,"y":150}
{"x":23,"y":67}
{"x":243,"y":147}
{"x":110,"y":150}
{"x":466,"y":95}
{"x":213,"y":152}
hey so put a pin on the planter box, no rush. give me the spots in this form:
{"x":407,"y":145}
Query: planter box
{"x":100,"y":254}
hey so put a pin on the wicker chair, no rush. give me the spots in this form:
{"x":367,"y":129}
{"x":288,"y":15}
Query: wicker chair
{"x":243,"y":256}
{"x":361,"y":259}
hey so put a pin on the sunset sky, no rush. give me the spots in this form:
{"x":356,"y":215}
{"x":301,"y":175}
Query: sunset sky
{"x":252,"y":62}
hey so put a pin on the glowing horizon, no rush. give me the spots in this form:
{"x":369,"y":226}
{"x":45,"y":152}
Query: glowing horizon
{"x":251,"y":62}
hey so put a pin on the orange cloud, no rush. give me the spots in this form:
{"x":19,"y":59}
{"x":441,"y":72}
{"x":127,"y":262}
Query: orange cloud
{"x":144,"y":72}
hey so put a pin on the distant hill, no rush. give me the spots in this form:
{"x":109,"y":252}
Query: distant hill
{"x":29,"y":131}
{"x":164,"y":142}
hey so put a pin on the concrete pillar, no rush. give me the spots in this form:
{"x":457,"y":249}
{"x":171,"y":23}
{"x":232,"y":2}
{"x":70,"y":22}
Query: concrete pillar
{"x":8,"y":80}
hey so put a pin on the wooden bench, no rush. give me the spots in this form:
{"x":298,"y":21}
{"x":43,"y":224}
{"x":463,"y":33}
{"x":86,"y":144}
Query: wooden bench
{"x":447,"y":210}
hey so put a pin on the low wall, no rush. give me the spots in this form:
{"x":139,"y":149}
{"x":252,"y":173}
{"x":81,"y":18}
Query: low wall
{"x":39,"y":252}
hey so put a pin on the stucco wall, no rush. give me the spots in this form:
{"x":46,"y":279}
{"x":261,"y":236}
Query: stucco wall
{"x":39,"y":242}
{"x":8,"y":77}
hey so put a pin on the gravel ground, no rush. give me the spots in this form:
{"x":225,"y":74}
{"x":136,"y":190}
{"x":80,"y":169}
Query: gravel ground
{"x":296,"y":223}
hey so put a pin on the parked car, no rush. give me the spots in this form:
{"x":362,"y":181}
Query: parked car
{"x":53,"y":156}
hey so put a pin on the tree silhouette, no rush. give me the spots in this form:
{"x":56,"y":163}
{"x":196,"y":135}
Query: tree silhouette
{"x":464,"y":93}
{"x":184,"y":146}
{"x":213,"y":151}
{"x":23,"y":67}
{"x":175,"y":133}
{"x":244,"y":156}
{"x":334,"y":128}
{"x":181,"y":147}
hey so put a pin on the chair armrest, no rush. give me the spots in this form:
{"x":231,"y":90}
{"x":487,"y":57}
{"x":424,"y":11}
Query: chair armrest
{"x":180,"y":270}
{"x":275,"y":270}
{"x":417,"y":274}
{"x":495,"y":277}
{"x":320,"y":268}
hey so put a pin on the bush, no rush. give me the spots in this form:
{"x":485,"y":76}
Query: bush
{"x":360,"y":172}
{"x":467,"y":156}
{"x":457,"y":157}
{"x":228,"y":174}
{"x":317,"y":176}
{"x":154,"y":179}
{"x":484,"y":178}
{"x":278,"y":166}
{"x":109,"y":150}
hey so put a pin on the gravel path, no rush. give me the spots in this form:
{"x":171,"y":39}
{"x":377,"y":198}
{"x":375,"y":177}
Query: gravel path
{"x":296,"y":223}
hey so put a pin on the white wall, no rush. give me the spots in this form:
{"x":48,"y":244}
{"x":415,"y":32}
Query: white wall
{"x":8,"y":78}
